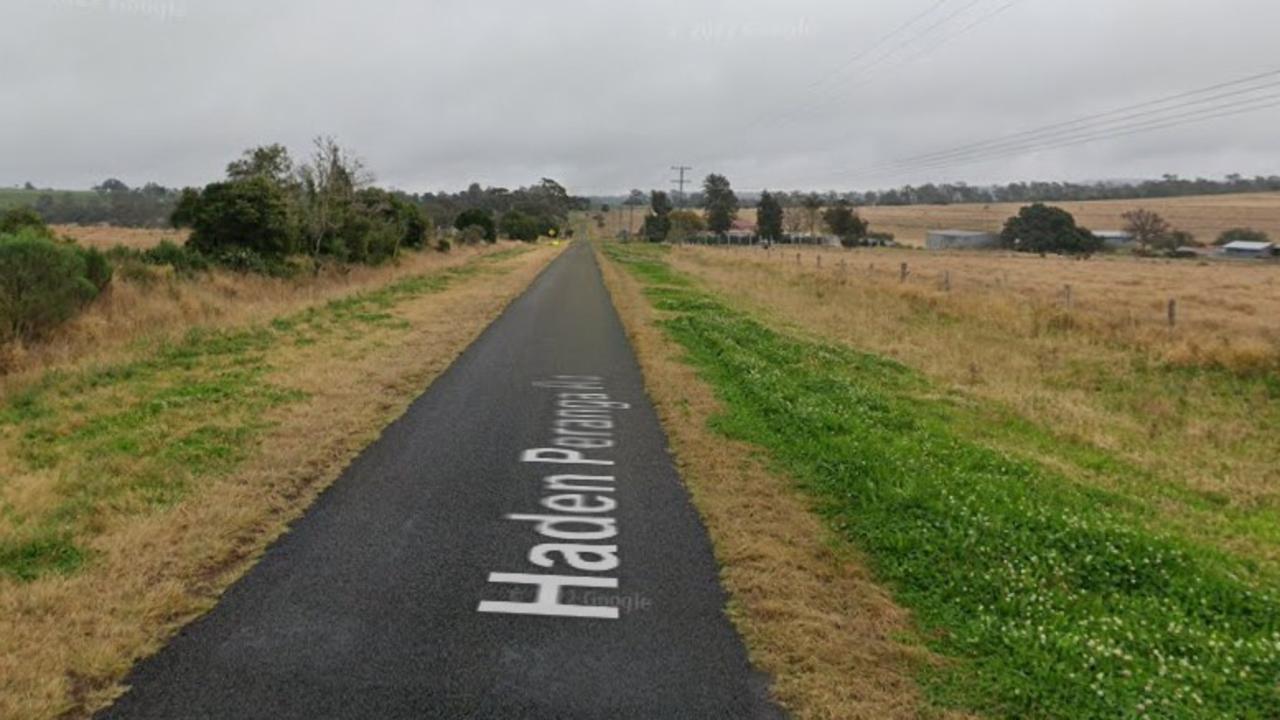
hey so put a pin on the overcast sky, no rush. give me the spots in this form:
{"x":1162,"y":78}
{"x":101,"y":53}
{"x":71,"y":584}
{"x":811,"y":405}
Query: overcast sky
{"x":606,"y":95}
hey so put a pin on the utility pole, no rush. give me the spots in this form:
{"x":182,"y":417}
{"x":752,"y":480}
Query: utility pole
{"x":680,"y":183}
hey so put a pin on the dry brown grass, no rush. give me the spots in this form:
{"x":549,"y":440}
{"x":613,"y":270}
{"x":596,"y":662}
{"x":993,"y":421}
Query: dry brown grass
{"x":105,"y":237}
{"x":1088,"y":373}
{"x":66,"y":640}
{"x":1204,"y":216}
{"x":811,"y":615}
{"x":133,"y":313}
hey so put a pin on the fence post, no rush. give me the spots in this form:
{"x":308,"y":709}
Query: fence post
{"x":819,"y":262}
{"x":946,"y":280}
{"x":903,"y":272}
{"x":1173,"y":313}
{"x":1067,"y":292}
{"x":797,"y":258}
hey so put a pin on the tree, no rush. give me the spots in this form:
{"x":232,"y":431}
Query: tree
{"x":1242,"y":235}
{"x":657,"y":225}
{"x":519,"y":225}
{"x":1043,"y":229}
{"x":248,"y":214}
{"x":111,"y":185}
{"x":684,"y":225}
{"x":769,"y":217}
{"x":28,"y":186}
{"x":270,"y":161}
{"x":478,"y":218}
{"x":1147,"y":228}
{"x":844,"y":223}
{"x":327,"y":189}
{"x":812,"y":204}
{"x":719,"y":203}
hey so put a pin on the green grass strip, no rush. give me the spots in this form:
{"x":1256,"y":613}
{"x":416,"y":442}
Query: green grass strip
{"x":1052,"y":599}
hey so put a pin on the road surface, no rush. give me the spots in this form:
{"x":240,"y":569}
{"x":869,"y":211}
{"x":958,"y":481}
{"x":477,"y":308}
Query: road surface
{"x":518,"y":545}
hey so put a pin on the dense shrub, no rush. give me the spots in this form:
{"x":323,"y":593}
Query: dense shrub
{"x":185,"y":261}
{"x":44,"y":283}
{"x":471,"y":235}
{"x":519,"y":225}
{"x":443,"y":245}
{"x":252,"y":215}
{"x":478,"y":218}
{"x":23,"y":218}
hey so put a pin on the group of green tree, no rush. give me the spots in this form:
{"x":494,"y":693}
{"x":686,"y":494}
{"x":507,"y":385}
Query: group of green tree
{"x":110,"y":203}
{"x":269,"y":209}
{"x":1153,"y":234}
{"x":1045,"y":229}
{"x":525,"y":214}
{"x":720,"y":205}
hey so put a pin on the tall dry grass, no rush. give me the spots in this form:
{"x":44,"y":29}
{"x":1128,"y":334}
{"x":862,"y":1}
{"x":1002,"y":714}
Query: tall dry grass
{"x":138,"y":313}
{"x":105,"y":237}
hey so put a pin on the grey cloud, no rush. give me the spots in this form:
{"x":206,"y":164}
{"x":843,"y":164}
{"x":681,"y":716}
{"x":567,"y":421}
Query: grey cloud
{"x":606,"y":95}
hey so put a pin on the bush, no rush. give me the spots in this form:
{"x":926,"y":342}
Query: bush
{"x":1242,"y":235}
{"x":185,"y":261}
{"x":443,"y":245}
{"x":1043,"y":229}
{"x":44,"y":283}
{"x":250,"y":215}
{"x":472,"y":234}
{"x":478,"y":218}
{"x":23,"y":218}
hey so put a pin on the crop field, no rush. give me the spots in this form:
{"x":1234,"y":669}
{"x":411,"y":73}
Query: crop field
{"x":1075,"y":501}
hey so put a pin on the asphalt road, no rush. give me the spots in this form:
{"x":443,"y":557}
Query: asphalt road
{"x":410,"y":591}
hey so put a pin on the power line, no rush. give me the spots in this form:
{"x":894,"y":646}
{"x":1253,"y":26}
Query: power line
{"x":939,"y":42}
{"x":1117,"y":113}
{"x":1120,"y":120}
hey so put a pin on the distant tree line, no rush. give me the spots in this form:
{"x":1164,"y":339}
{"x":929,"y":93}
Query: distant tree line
{"x":110,"y":203}
{"x":1019,"y":192}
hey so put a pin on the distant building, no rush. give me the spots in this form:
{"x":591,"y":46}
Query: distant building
{"x":960,"y":240}
{"x":1244,"y":249}
{"x":1115,"y":239}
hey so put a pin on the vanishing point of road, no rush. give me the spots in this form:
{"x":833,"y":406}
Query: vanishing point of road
{"x":517,"y":545}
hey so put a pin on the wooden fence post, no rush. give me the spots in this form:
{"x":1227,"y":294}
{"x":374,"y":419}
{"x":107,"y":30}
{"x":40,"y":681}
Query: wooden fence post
{"x":1173,"y":313}
{"x":946,"y":280}
{"x":1067,"y":293}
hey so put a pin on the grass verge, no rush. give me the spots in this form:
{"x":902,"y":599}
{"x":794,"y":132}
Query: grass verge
{"x":133,"y":493}
{"x":1053,"y":598}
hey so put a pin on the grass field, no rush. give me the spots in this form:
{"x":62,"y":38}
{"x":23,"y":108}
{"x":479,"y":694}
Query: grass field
{"x":1204,"y":216}
{"x":1083,"y":524}
{"x":141,"y":475}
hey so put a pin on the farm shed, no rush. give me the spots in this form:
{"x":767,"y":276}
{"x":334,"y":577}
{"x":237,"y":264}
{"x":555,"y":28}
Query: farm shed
{"x":1243,"y":249}
{"x":960,"y":239}
{"x":1115,"y":239}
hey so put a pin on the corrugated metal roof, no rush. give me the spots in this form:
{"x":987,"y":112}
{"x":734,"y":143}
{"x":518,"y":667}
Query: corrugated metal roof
{"x":1248,"y":246}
